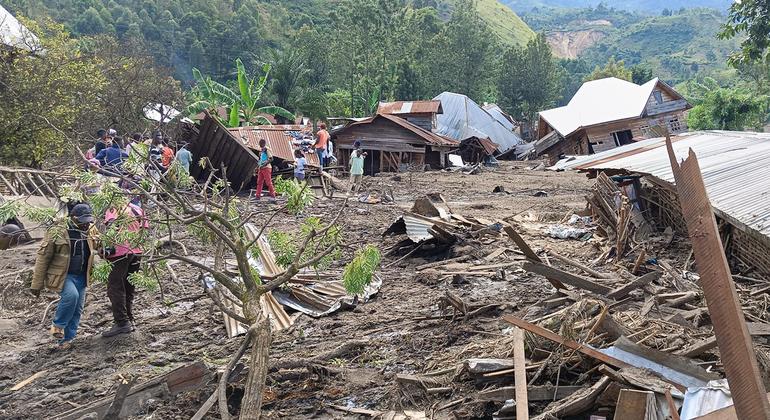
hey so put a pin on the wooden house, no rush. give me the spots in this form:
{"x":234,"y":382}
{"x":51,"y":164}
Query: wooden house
{"x":608,"y":113}
{"x":393,"y":144}
{"x":420,"y":113}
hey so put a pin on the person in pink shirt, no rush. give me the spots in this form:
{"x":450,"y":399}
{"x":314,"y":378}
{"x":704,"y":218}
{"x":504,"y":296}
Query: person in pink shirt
{"x":125,"y":260}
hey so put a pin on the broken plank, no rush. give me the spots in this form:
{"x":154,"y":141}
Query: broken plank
{"x":28,"y":381}
{"x":556,"y":276}
{"x":534,"y":393}
{"x":520,"y":375}
{"x":735,"y":346}
{"x":636,"y":405}
{"x":577,"y":403}
{"x":550,"y":335}
{"x":642,"y":281}
{"x":702,"y":346}
{"x":521,"y":243}
{"x":443,"y":262}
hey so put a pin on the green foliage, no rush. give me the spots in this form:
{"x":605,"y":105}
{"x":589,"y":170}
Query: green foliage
{"x":729,"y":109}
{"x":101,"y":271}
{"x":298,"y":193}
{"x":142,"y":279}
{"x":531,"y":80}
{"x":611,"y":69}
{"x":286,"y":245}
{"x":749,"y":20}
{"x":359,"y":272}
{"x":14,"y":208}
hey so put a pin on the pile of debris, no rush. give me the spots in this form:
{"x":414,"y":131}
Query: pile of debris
{"x":627,"y":335}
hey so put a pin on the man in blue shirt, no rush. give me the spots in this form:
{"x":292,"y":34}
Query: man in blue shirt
{"x":184,"y":157}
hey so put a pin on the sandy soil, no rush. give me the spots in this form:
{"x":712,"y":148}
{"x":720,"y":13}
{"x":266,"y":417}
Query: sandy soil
{"x":169,"y":336}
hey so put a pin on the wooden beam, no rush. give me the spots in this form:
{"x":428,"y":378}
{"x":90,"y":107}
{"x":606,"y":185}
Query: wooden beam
{"x":534,"y":393}
{"x":550,"y":335}
{"x":28,"y":381}
{"x":562,"y":277}
{"x":702,"y":346}
{"x":583,"y":267}
{"x":9,"y":184}
{"x":520,"y":375}
{"x":642,"y":281}
{"x":735,"y":347}
{"x":522,"y":244}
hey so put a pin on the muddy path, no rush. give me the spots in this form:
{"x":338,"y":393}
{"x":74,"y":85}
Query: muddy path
{"x":399,"y":336}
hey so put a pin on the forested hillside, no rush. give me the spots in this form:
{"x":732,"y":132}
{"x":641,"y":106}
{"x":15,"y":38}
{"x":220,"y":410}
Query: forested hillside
{"x":646,"y":6}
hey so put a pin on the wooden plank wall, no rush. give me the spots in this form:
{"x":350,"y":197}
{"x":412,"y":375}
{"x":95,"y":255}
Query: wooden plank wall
{"x":220,"y":147}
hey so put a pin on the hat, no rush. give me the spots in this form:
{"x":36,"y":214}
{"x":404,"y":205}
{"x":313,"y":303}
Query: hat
{"x":112,"y":132}
{"x":82,"y":213}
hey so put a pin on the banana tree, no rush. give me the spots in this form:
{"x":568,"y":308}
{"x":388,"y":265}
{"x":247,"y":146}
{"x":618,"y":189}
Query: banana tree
{"x":242,"y":105}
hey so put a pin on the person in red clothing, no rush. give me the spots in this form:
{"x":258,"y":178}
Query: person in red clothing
{"x":265,"y":170}
{"x":167,"y":155}
{"x":321,"y":145}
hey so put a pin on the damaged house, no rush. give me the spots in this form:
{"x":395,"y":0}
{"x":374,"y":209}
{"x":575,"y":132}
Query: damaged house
{"x":397,"y":138}
{"x":237,"y":149}
{"x":734,"y":168}
{"x":463,"y":120}
{"x":608,"y":113}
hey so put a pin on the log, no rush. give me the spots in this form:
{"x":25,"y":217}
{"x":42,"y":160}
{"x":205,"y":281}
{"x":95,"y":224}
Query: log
{"x":113,"y":412}
{"x":556,"y":276}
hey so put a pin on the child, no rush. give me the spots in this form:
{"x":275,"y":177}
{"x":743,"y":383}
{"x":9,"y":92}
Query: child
{"x":299,"y":165}
{"x":265,"y":171}
{"x":356,"y":166}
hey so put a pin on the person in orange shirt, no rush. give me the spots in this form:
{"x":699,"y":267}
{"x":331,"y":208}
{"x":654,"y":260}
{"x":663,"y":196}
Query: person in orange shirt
{"x":321,"y":145}
{"x":167,"y":155}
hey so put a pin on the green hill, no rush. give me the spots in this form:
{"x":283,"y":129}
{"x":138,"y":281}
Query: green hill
{"x":504,"y":22}
{"x":653,"y":7}
{"x":677,"y":47}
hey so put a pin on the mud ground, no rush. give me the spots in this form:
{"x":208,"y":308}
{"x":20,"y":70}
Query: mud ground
{"x":169,"y":336}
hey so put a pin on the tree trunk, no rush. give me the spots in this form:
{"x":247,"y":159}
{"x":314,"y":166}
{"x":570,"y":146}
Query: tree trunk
{"x":251,"y":407}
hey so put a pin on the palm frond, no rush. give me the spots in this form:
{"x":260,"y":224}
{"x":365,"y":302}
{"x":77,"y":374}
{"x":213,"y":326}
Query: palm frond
{"x":278,"y":111}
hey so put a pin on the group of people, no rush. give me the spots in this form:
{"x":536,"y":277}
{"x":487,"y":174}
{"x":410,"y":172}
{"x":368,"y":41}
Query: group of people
{"x":321,"y":148}
{"x":110,"y":151}
{"x":65,"y":264}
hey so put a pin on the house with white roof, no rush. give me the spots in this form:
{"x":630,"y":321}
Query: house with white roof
{"x":609,"y":113}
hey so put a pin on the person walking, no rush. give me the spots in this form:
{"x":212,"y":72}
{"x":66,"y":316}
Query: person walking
{"x":184,"y":157}
{"x":300,"y":163}
{"x":64,"y":264}
{"x":321,"y":145}
{"x":356,"y":167}
{"x":125,"y":259}
{"x":265,"y":170}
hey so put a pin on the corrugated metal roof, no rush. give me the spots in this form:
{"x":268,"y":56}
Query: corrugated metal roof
{"x":279,"y":139}
{"x":601,"y":101}
{"x":501,"y":116}
{"x":410,"y":107}
{"x":16,"y":35}
{"x":734,"y":166}
{"x":463,"y":118}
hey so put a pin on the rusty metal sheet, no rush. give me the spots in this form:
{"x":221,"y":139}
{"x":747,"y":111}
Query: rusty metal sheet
{"x":733,"y":339}
{"x":279,"y":139}
{"x":410,"y":107}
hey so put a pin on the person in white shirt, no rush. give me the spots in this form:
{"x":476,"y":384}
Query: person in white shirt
{"x":299,"y":165}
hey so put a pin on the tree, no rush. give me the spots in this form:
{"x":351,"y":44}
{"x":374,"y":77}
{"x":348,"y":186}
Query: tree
{"x":611,"y":69}
{"x":63,"y":86}
{"x":641,"y":74}
{"x":530,"y":79}
{"x":750,"y":18}
{"x":729,"y":109}
{"x":243,"y":107}
{"x":289,"y":78}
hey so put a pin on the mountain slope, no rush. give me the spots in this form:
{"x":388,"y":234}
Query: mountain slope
{"x":504,"y":22}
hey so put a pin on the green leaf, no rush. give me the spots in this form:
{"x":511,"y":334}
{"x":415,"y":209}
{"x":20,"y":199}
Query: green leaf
{"x":235,"y":119}
{"x":277,"y":110}
{"x":243,"y":85}
{"x":359,"y":272}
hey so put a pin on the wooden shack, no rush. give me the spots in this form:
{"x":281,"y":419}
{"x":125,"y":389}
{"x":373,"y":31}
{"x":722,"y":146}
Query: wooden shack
{"x":393,"y":144}
{"x":609,"y":113}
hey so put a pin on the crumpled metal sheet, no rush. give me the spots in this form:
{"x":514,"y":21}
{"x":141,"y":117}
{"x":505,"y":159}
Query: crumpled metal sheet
{"x":699,"y":401}
{"x":324,"y":297}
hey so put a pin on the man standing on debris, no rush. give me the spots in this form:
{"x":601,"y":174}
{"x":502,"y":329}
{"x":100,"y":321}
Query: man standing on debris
{"x":321,"y":145}
{"x":265,"y":170}
{"x":125,"y":259}
{"x":356,"y":167}
{"x":64,"y":263}
{"x":184,"y":157}
{"x":112,"y":157}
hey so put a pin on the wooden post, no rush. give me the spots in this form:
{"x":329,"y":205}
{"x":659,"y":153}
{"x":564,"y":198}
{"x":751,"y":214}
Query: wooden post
{"x":520,"y":372}
{"x":730,"y":328}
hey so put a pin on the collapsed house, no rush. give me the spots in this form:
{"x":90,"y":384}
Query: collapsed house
{"x":464,"y":119}
{"x":397,"y":141}
{"x":733,"y":165}
{"x":236,"y":149}
{"x":609,"y":113}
